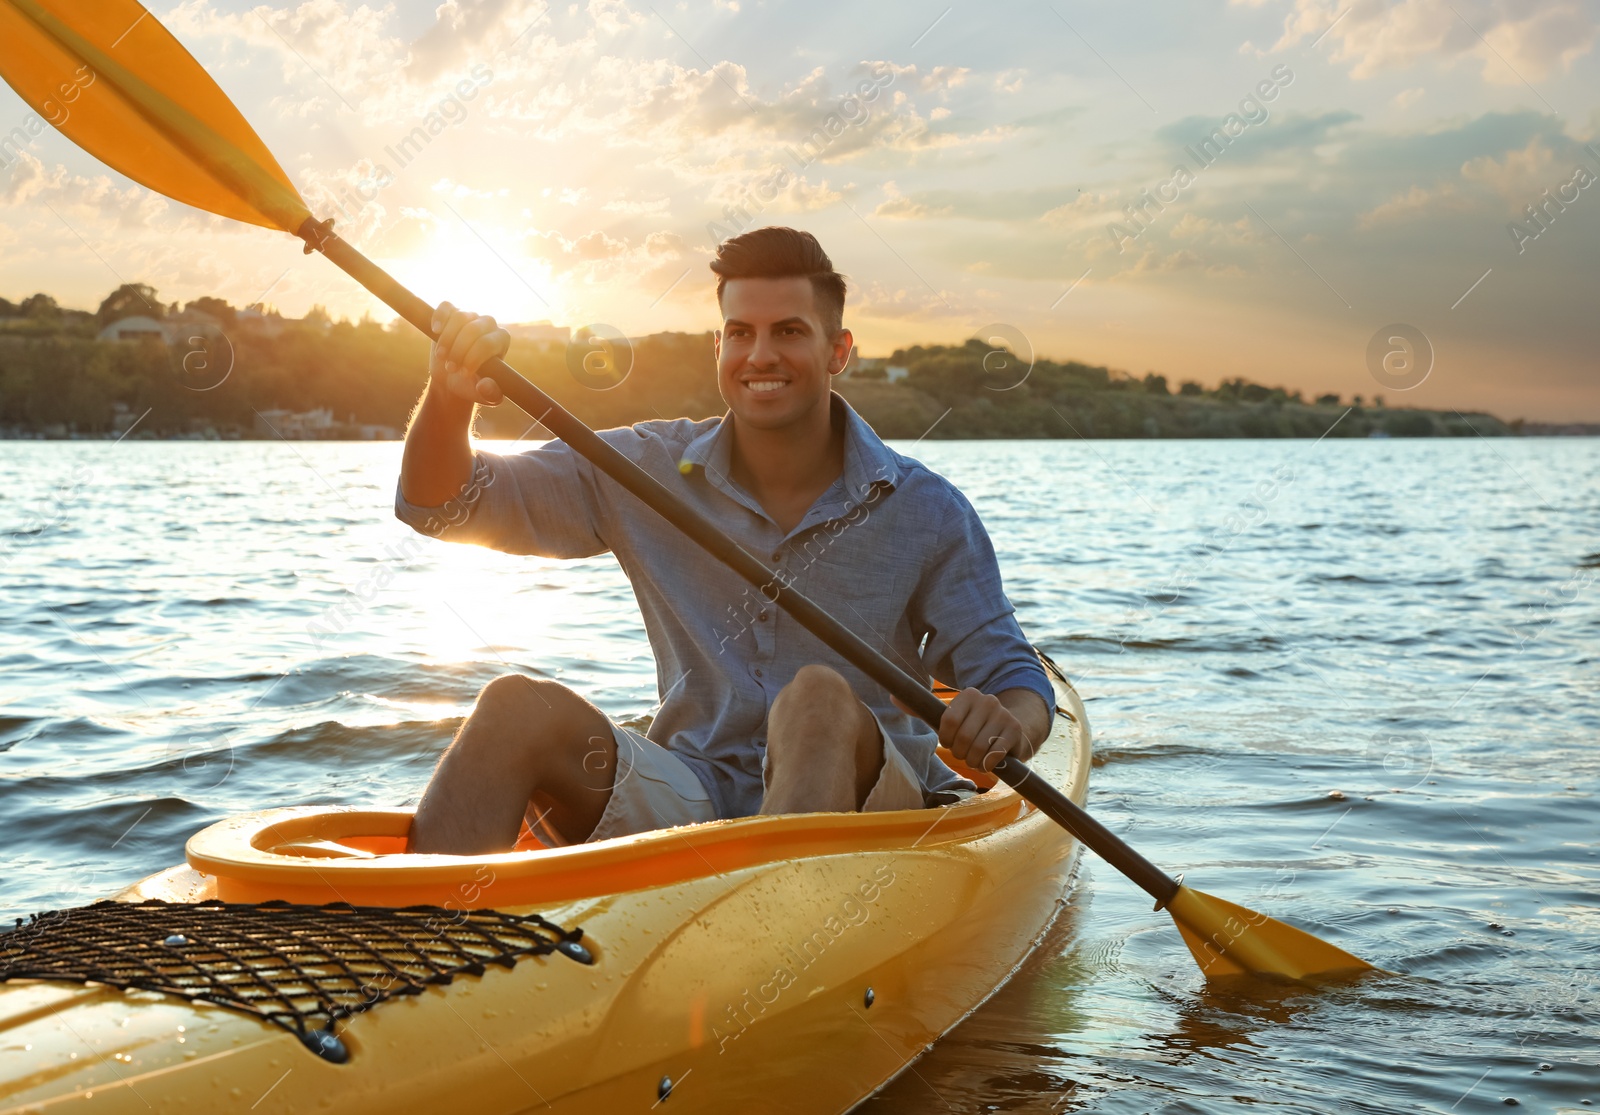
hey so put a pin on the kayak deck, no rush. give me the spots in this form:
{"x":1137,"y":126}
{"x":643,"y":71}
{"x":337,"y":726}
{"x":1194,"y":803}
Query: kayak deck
{"x":732,"y":960}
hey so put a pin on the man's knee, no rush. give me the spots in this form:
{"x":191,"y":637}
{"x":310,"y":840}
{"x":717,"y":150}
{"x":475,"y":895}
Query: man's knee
{"x":527,"y":700}
{"x":819,"y":693}
{"x":543,"y":730}
{"x":817,"y":688}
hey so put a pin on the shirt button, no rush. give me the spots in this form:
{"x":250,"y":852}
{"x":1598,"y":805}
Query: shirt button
{"x":777,"y":555}
{"x":761,"y":617}
{"x":758,"y":672}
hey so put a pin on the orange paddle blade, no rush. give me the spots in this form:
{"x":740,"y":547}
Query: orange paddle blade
{"x":1231,"y":940}
{"x":113,"y":80}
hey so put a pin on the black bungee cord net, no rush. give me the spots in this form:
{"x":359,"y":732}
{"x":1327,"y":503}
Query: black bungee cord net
{"x":291,"y":965}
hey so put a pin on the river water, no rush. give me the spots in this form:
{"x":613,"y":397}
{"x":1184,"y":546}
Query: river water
{"x":1350,"y":683}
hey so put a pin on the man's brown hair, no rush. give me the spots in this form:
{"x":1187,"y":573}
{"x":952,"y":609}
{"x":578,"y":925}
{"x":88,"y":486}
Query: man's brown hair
{"x":776,"y":252}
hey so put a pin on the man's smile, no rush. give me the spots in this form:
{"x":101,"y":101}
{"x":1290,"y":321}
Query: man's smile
{"x":765,"y":383}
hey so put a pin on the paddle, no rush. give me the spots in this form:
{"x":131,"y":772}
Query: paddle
{"x":122,"y":88}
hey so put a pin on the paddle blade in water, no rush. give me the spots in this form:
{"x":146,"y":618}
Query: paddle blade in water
{"x":112,"y":79}
{"x":1231,"y":940}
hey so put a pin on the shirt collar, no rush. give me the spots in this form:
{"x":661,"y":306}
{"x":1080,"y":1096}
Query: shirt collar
{"x":868,"y":462}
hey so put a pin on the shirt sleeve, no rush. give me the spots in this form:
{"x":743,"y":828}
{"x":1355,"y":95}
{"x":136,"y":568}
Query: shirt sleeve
{"x":973,"y":638}
{"x":543,"y":502}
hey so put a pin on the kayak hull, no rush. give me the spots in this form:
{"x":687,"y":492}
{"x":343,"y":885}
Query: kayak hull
{"x":801,"y":978}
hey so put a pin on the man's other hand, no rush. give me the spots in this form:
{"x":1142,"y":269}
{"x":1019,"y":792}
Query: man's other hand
{"x":466,"y":341}
{"x":980,"y":728}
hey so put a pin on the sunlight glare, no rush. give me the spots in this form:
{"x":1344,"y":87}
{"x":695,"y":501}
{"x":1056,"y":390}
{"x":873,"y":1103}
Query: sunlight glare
{"x":458,"y":267}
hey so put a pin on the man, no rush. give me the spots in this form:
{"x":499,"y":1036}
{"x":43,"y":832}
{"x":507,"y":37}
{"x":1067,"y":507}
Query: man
{"x":756,"y":714}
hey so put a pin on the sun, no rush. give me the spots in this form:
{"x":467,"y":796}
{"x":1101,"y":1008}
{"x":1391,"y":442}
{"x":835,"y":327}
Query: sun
{"x":476,"y":268}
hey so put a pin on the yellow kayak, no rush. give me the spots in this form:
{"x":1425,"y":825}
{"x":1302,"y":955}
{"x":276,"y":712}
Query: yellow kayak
{"x":793,"y":963}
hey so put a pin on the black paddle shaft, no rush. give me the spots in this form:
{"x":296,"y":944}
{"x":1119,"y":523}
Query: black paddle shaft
{"x":914,"y":693}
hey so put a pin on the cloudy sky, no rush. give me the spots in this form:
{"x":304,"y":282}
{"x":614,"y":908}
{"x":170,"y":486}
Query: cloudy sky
{"x":1033,"y":165}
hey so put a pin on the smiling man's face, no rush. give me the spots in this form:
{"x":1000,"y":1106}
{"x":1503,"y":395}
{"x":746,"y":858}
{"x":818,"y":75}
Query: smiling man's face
{"x":775,"y":358}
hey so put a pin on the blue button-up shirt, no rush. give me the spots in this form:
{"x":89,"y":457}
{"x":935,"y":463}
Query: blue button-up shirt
{"x":892,"y":550}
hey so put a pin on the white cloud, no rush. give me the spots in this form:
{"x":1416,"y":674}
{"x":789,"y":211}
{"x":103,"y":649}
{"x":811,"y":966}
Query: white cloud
{"x":468,"y":31}
{"x":1520,"y":176}
{"x":942,"y":78}
{"x":328,"y":54}
{"x":1521,"y":39}
{"x":880,"y":300}
{"x":598,"y":256}
{"x":1411,"y":205}
{"x":78,"y":199}
{"x":333,"y":57}
{"x":638,"y":207}
{"x":897,"y":206}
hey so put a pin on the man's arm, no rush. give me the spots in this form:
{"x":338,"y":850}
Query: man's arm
{"x":973,"y":641}
{"x":437,"y":464}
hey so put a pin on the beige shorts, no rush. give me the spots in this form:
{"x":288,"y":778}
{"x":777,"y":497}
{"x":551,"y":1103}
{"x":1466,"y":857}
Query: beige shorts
{"x":654,"y":789}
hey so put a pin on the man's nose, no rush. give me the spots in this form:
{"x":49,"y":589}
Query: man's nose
{"x":763,"y":354}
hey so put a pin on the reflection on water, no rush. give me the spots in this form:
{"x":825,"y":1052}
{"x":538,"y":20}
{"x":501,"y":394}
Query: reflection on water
{"x":1350,"y":684}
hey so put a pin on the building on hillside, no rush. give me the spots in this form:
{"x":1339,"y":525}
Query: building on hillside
{"x":873,"y":367}
{"x":863,"y":367}
{"x":295,"y":426}
{"x":545,"y":336}
{"x":137,"y":328}
{"x":192,"y":322}
{"x":178,"y":328}
{"x":252,"y":319}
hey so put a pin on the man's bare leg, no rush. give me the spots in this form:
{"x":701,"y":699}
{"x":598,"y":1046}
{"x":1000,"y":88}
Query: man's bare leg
{"x":526,"y":740}
{"x":823,"y":748}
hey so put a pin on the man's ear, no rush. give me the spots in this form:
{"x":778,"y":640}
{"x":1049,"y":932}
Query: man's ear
{"x":844,"y":346}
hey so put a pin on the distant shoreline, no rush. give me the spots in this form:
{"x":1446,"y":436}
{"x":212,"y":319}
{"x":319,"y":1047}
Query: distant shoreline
{"x":213,"y":373}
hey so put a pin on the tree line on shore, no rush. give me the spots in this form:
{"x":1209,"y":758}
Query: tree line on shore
{"x":218,"y":369}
